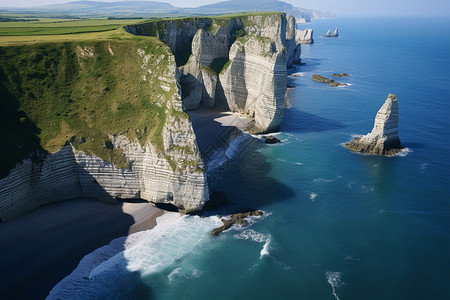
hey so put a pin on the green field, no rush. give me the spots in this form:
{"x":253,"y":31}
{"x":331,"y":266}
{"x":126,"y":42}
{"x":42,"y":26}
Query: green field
{"x":61,"y":27}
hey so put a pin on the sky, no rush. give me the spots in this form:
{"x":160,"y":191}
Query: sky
{"x":340,"y":7}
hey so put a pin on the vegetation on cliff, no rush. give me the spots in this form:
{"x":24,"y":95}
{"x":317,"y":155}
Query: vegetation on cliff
{"x":81,"y":92}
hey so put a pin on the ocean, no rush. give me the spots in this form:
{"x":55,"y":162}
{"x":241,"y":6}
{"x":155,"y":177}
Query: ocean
{"x":337,"y":225}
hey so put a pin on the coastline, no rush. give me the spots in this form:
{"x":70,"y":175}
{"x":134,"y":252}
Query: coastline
{"x":42,"y":247}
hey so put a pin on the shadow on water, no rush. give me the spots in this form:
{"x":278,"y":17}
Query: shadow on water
{"x":413,"y":145}
{"x":235,"y":165}
{"x":295,"y":120}
{"x":246,"y":181}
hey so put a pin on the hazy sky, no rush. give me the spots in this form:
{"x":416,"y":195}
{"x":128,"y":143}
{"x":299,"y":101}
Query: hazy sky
{"x":340,"y":7}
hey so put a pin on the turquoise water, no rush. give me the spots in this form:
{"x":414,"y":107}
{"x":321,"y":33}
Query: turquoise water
{"x":338,"y":225}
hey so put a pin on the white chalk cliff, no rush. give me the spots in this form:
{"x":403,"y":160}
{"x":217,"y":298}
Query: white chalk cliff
{"x":383,"y":139}
{"x":252,"y":82}
{"x":173,"y":176}
{"x":255,"y":82}
{"x":304,"y":36}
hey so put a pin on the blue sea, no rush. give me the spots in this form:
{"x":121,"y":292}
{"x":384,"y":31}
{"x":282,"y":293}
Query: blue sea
{"x":337,"y":225}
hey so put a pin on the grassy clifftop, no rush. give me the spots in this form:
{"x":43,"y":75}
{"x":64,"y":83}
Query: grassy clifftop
{"x":81,"y":92}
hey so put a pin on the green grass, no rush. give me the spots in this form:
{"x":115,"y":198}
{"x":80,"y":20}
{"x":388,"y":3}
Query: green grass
{"x":51,"y":93}
{"x":28,"y":31}
{"x":61,"y":27}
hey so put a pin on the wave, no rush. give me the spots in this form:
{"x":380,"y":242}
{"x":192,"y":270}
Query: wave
{"x":313,"y":196}
{"x":250,"y":234}
{"x":265,"y":249}
{"x":178,"y":273}
{"x":254,"y":236}
{"x":404,"y":152}
{"x":221,"y":156}
{"x":114,"y":270}
{"x":298,"y":74}
{"x":335,"y":280}
{"x":323,"y":180}
{"x":344,"y":86}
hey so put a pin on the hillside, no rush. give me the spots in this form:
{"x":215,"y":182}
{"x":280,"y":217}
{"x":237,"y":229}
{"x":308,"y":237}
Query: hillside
{"x":80,"y":91}
{"x":162,"y":9}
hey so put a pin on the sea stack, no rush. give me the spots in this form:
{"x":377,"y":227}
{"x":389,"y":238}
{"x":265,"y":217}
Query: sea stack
{"x":383,"y":140}
{"x":304,"y":36}
{"x":334,"y":34}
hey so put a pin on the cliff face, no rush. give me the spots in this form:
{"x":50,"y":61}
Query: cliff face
{"x":383,"y":139}
{"x":255,"y":82}
{"x":239,"y":63}
{"x":140,"y":145}
{"x":105,"y":119}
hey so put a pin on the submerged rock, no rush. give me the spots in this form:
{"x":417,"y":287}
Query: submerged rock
{"x":340,"y":75}
{"x":383,"y":140}
{"x":239,"y":218}
{"x":331,"y":82}
{"x":271,"y":140}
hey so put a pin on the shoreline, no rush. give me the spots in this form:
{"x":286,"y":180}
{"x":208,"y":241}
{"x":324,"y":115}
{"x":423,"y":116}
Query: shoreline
{"x":44,"y":246}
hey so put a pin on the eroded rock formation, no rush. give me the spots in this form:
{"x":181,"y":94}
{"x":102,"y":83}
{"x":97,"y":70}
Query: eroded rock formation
{"x":383,"y":139}
{"x":239,"y":62}
{"x":304,"y":36}
{"x":255,"y":82}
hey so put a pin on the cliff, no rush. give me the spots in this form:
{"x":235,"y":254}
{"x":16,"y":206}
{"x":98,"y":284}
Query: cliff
{"x":106,"y":119}
{"x":99,"y":120}
{"x":237,"y":62}
{"x":383,"y":139}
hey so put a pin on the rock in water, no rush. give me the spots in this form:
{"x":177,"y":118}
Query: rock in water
{"x":304,"y":36}
{"x":383,"y":140}
{"x":239,"y":218}
{"x":271,"y":140}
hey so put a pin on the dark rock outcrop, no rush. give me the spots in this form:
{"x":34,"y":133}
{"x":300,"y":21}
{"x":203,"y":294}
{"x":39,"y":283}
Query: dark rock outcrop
{"x":271,"y":140}
{"x":340,"y":75}
{"x":330,"y":82}
{"x":239,"y":218}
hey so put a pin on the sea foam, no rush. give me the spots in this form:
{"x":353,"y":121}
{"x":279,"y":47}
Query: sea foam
{"x":335,"y":280}
{"x":250,"y":234}
{"x":114,"y":270}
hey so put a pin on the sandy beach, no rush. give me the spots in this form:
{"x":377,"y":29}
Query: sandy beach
{"x":42,"y":247}
{"x":214,"y":127}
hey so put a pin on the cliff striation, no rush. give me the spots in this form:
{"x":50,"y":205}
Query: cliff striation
{"x":108,"y":124}
{"x":235,"y":62}
{"x":107,"y":119}
{"x":383,"y":140}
